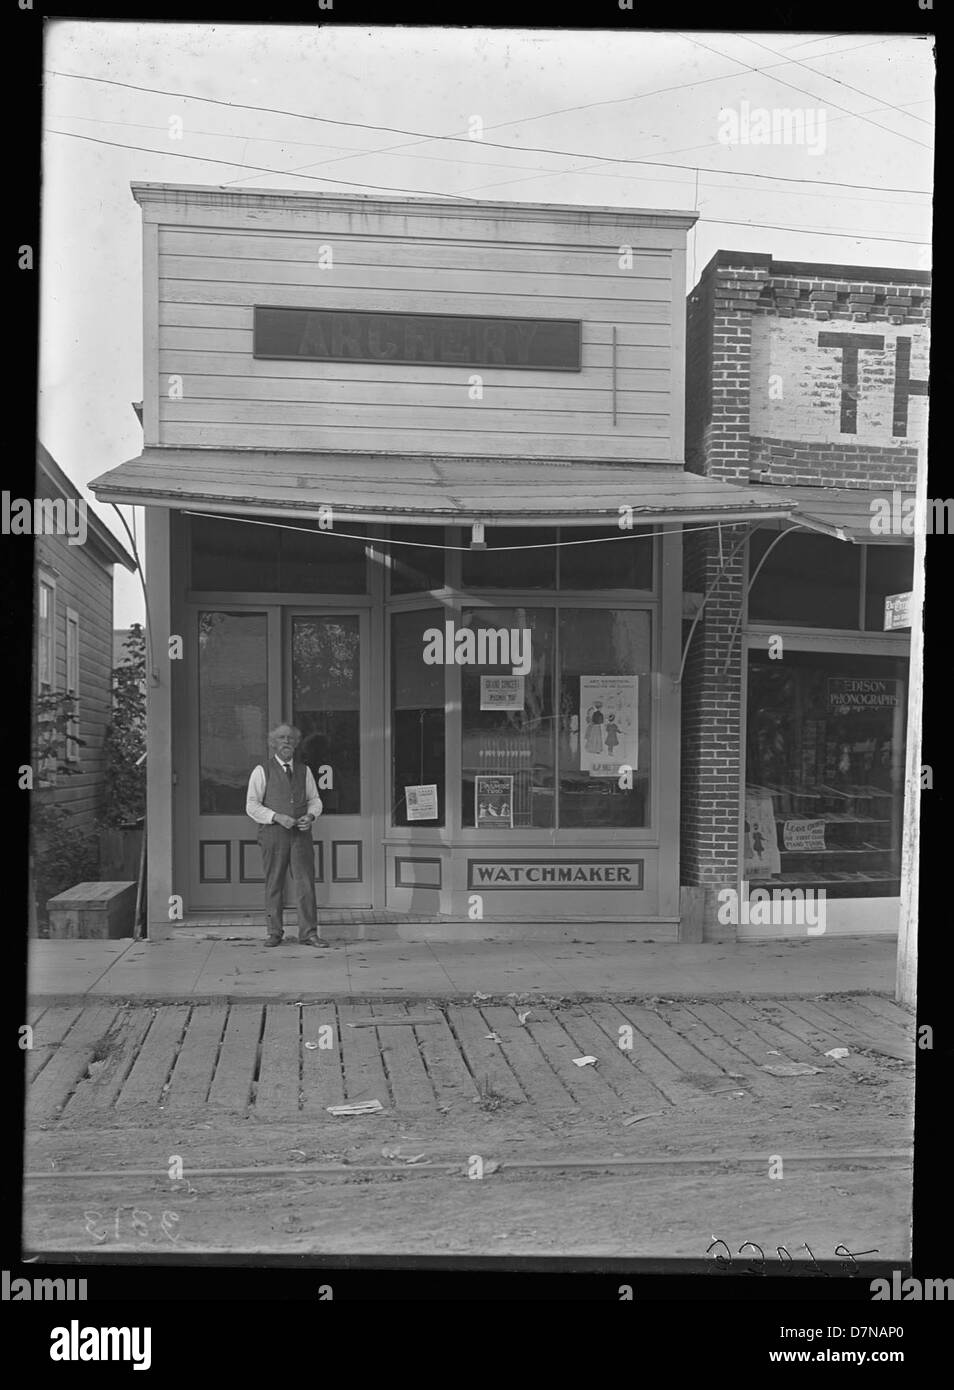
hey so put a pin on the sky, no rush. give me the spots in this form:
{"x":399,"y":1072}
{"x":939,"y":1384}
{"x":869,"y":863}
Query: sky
{"x":582,"y":119}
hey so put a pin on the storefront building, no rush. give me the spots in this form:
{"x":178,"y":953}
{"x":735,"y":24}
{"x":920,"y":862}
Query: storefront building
{"x":812,"y":380}
{"x":414,"y":480}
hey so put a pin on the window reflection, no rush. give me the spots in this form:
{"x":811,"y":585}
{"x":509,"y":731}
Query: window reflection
{"x":326,"y":705}
{"x":505,"y":742}
{"x":233,"y":707}
{"x":417,"y":714}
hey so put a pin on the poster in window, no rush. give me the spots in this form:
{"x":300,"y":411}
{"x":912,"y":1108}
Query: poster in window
{"x":421,"y":802}
{"x":501,"y":692}
{"x":493,"y":802}
{"x":760,"y":855}
{"x":608,"y":719}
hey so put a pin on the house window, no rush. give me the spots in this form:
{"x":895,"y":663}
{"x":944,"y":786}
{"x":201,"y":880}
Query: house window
{"x":72,"y":684}
{"x":44,"y":636}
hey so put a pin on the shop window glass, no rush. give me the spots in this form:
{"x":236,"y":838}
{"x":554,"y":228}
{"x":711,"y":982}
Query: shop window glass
{"x":233,"y":708}
{"x":890,"y":570}
{"x":825,"y":773}
{"x":531,"y":565}
{"x":240,"y":556}
{"x":511,"y":745}
{"x":616,"y":559}
{"x":807,"y":581}
{"x":326,"y":705}
{"x":605,"y":705}
{"x":417,"y":715}
{"x":312,"y":561}
{"x":233,"y":556}
{"x":416,"y":568}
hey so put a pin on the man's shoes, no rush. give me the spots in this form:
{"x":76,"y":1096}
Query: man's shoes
{"x":272,"y":941}
{"x":312,"y":941}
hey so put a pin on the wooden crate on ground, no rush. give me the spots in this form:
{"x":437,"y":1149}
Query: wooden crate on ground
{"x":104,"y":910}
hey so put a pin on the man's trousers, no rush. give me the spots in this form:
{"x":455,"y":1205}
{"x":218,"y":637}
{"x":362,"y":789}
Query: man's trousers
{"x":283,"y":850}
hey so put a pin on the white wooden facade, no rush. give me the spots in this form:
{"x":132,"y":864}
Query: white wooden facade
{"x":210,"y":257}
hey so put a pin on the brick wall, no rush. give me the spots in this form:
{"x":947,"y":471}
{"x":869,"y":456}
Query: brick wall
{"x":734,"y":318}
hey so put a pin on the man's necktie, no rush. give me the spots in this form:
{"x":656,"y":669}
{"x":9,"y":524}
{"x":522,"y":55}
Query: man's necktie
{"x":288,"y":771}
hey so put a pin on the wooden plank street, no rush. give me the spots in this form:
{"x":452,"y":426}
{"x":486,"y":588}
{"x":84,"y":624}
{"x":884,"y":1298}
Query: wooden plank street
{"x":281,"y":1061}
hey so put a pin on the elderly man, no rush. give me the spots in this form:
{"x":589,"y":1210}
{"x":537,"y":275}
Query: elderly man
{"x":284,"y":801}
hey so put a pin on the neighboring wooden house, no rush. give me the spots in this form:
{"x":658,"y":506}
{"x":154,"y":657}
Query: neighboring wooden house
{"x":73,"y":637}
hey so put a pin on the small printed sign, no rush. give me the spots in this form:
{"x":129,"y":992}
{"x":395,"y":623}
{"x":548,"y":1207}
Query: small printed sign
{"x":493,"y":802}
{"x":897,"y":611}
{"x":421,"y":802}
{"x":501,"y":692}
{"x":804,"y":834}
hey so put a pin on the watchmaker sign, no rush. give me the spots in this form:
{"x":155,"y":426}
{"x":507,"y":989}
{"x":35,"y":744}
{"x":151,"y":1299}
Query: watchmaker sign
{"x":555,"y":873}
{"x":338,"y":335}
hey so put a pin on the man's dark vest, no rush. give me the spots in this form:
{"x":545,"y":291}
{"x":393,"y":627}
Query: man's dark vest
{"x":284,"y":795}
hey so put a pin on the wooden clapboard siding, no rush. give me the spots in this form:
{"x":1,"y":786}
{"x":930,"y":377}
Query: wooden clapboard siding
{"x":85,"y":584}
{"x":218,"y":255}
{"x":419,"y":251}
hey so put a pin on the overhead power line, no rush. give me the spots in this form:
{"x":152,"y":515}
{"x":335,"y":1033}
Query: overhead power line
{"x":586,"y":106}
{"x":465,"y":140}
{"x":805,"y":92}
{"x":258,"y":168}
{"x":322,"y":178}
{"x":456,"y":160}
{"x":828,"y":78}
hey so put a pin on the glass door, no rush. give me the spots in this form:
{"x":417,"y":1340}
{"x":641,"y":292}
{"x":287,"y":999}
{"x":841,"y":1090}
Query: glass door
{"x":327,"y":687}
{"x":236,"y":687}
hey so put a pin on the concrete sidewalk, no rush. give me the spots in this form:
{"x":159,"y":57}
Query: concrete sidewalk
{"x":221,"y":970}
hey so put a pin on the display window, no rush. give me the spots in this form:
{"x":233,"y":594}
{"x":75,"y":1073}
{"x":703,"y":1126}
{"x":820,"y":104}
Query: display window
{"x":417,"y":723}
{"x":507,"y":729}
{"x":573,"y":733}
{"x":824,"y":793}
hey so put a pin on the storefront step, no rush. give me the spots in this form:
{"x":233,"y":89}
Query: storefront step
{"x":355,"y":925}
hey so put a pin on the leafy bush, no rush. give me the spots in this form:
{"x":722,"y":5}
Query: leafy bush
{"x":124,"y":785}
{"x":62,"y":856}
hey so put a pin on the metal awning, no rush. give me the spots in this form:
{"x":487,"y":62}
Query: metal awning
{"x":849,"y":512}
{"x":428,"y":490}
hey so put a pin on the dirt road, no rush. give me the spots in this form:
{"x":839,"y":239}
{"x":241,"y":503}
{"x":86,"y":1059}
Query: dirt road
{"x":695,"y":1074}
